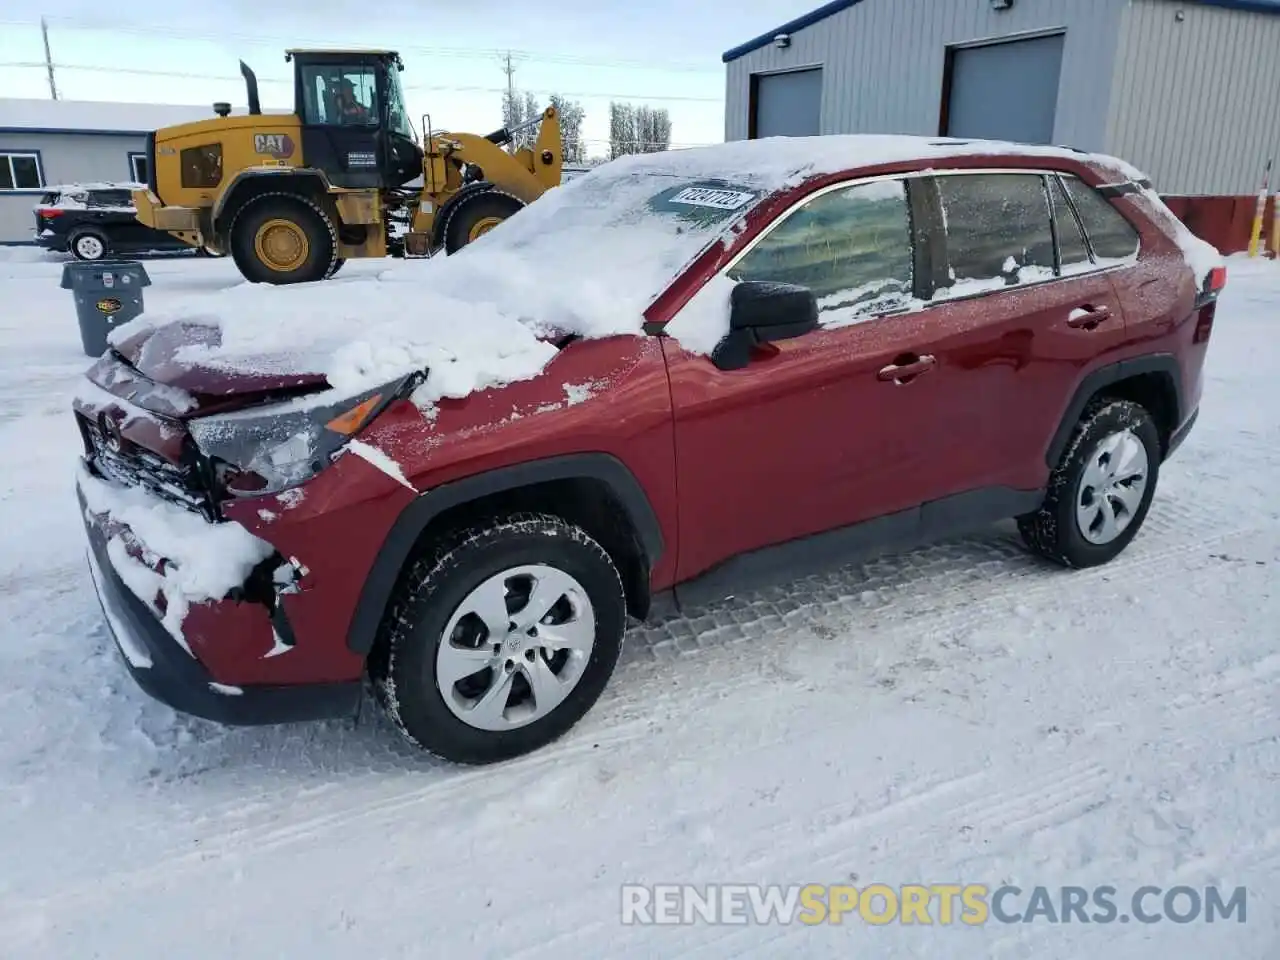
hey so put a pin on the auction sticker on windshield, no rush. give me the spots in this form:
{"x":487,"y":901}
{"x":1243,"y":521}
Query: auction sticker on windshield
{"x":710,"y":197}
{"x":706,"y":202}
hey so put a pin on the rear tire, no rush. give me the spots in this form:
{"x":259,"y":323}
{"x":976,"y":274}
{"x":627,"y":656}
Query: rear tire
{"x":283,"y":238}
{"x":89,"y":244}
{"x":475,"y":215}
{"x":1101,"y":490}
{"x":444,"y":655}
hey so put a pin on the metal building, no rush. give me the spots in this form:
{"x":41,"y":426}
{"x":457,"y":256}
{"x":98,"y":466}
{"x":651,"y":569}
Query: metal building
{"x":1187,"y":90}
{"x":48,"y":142}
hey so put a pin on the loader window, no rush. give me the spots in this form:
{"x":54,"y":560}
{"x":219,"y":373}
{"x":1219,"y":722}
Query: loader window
{"x":337,"y":95}
{"x":398,"y":113}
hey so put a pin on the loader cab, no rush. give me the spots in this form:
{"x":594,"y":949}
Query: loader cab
{"x":355,"y":124}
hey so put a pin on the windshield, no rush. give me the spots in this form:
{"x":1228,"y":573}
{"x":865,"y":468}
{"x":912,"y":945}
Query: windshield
{"x":397,"y":112}
{"x":616,"y":237}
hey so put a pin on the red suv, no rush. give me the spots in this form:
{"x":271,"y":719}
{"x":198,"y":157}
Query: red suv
{"x":749,"y":361}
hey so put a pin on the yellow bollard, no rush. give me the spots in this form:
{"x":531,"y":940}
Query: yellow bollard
{"x":1255,"y":236}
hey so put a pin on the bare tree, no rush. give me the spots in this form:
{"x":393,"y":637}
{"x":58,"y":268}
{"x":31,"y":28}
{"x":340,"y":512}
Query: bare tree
{"x":571,"y":117}
{"x":622,"y":129}
{"x":532,"y":111}
{"x":512,"y":109}
{"x":638,"y":129}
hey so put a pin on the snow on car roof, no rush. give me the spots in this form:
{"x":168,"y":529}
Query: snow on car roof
{"x":586,"y":258}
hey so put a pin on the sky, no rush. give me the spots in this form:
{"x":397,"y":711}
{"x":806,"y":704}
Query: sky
{"x":662,"y":52}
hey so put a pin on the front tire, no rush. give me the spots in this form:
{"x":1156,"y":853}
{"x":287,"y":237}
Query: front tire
{"x":500,"y":638}
{"x":1101,"y":490}
{"x":282,"y":238}
{"x":475,"y":215}
{"x":90,"y":245}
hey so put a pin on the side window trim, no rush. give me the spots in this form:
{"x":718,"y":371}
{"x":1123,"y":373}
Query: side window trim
{"x":1053,"y":227}
{"x":930,"y":259}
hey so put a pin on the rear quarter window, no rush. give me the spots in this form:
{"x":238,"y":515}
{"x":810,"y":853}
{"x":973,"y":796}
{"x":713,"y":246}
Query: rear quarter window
{"x":1110,"y":234}
{"x":110,"y":198}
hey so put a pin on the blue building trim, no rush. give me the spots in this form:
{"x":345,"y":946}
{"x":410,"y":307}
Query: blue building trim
{"x":835,"y":6}
{"x":74,"y":133}
{"x":1251,"y":6}
{"x":799,"y":23}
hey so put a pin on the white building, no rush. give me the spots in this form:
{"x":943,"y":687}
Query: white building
{"x":44,"y":143}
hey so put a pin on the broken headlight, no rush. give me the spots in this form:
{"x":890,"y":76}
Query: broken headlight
{"x":268,"y":449}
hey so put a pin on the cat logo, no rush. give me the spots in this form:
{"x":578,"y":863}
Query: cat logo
{"x":273,"y":144}
{"x":109,"y":305}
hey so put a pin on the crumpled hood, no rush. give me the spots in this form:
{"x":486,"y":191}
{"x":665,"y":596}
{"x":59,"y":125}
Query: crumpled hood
{"x":170,"y":354}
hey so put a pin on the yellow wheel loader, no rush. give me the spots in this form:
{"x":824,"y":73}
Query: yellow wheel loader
{"x":292,"y":196}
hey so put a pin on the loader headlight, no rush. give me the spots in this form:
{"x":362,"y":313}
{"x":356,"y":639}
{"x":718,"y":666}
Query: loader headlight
{"x":268,"y":449}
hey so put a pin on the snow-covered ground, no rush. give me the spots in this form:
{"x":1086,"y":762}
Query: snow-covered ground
{"x":960,"y":713}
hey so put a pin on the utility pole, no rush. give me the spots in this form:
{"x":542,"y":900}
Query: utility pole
{"x":48,"y":58}
{"x":514,"y":108}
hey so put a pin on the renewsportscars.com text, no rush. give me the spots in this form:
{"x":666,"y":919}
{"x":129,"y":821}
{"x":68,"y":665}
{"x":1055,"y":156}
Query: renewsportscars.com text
{"x":944,"y":904}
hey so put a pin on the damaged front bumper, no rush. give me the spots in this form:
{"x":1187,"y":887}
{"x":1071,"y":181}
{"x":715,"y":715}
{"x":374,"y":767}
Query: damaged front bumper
{"x":175,"y":677}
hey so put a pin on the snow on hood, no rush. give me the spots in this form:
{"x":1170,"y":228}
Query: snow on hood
{"x":587,"y":258}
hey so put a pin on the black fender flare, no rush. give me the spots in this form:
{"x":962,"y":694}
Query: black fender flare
{"x":441,"y":222}
{"x":225,"y":206}
{"x":1098,"y":380}
{"x":413,"y":519}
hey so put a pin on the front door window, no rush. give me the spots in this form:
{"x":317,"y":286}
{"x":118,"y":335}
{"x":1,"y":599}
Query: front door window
{"x":337,"y":95}
{"x":852,"y":247}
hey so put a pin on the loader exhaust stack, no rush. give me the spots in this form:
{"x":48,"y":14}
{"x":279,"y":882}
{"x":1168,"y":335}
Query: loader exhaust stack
{"x":251,"y":87}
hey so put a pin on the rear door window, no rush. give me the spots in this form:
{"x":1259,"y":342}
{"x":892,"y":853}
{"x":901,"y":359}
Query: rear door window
{"x":998,"y":231}
{"x":852,"y":247}
{"x":1110,"y":234}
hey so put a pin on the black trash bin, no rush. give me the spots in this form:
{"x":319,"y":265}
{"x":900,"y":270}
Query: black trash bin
{"x":108,"y":293}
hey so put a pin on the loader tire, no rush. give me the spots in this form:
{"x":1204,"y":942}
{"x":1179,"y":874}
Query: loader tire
{"x":475,"y":215}
{"x":283,"y":238}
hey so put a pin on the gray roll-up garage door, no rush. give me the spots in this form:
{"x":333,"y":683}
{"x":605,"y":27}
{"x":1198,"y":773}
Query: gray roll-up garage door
{"x":1005,"y":91}
{"x":788,"y":104}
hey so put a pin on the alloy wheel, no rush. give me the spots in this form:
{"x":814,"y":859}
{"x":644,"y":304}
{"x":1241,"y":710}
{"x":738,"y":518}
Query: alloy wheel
{"x":515,"y":647}
{"x":90,"y":247}
{"x":1111,"y":487}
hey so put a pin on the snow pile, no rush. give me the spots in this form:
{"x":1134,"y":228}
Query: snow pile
{"x":204,"y":560}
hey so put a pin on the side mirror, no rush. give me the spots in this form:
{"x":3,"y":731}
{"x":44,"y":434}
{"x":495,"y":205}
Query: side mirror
{"x":762,"y":311}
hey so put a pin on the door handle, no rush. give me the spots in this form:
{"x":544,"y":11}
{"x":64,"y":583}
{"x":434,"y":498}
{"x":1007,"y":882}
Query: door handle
{"x":1087,"y":318}
{"x":907,"y":369}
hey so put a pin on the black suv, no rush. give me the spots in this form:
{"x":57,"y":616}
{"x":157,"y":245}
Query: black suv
{"x":93,"y":221}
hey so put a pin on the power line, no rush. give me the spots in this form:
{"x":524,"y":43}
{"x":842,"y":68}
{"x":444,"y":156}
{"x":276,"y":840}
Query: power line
{"x":182,"y":75}
{"x":470,"y":53}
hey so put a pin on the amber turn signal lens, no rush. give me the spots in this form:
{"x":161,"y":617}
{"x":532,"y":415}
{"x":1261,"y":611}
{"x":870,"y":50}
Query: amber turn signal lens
{"x":355,"y":418}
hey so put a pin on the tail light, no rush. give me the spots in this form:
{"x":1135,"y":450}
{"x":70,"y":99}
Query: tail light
{"x":1213,"y":285}
{"x":1217,"y":279}
{"x":48,"y":213}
